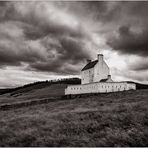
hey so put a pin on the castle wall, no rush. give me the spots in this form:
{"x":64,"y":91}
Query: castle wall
{"x":87,"y":76}
{"x":99,"y":87}
{"x":95,"y":74}
{"x":101,"y":71}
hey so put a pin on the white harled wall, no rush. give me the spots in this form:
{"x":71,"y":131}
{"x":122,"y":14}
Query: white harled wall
{"x":101,"y":71}
{"x":87,"y":76}
{"x":100,"y":87}
{"x":90,"y":81}
{"x":95,"y":74}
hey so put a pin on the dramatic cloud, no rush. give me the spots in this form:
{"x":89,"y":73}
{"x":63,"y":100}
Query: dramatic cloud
{"x":131,"y":33}
{"x":129,"y":42}
{"x":140,"y":65}
{"x":40,"y":34}
{"x":57,"y":37}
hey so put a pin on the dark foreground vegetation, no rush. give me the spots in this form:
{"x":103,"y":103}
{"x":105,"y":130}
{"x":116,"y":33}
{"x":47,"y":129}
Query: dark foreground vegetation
{"x":114,"y":119}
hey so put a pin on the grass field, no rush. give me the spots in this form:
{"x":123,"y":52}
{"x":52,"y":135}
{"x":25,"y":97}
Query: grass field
{"x":114,"y":119}
{"x":28,"y":94}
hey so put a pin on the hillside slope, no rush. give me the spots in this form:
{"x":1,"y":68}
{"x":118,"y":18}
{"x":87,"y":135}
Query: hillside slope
{"x":51,"y":92}
{"x":42,"y":90}
{"x":39,"y":85}
{"x":38,"y":90}
{"x":114,"y":119}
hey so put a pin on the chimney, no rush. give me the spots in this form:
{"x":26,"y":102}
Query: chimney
{"x":100,"y":57}
{"x":109,"y":76}
{"x":88,"y":61}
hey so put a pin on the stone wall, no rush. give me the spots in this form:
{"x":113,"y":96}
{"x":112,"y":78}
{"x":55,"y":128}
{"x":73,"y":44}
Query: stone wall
{"x":99,"y":87}
{"x":95,"y":74}
{"x":101,"y":71}
{"x":87,"y":76}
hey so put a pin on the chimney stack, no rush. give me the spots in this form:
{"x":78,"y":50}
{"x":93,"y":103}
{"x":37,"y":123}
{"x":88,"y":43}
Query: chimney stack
{"x":109,"y":76}
{"x":100,"y":57}
{"x":88,"y":61}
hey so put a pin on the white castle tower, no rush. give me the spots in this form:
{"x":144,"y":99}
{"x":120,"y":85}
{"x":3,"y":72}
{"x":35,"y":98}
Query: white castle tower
{"x":96,"y":78}
{"x":96,"y":71}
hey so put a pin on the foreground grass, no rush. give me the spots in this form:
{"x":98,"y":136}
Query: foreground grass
{"x":116,"y":119}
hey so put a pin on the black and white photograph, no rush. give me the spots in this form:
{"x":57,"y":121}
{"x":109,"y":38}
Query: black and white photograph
{"x":73,"y":73}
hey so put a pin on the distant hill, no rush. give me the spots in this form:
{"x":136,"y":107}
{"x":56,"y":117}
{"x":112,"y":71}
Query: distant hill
{"x":40,"y":85}
{"x":38,"y":90}
{"x":139,"y":85}
{"x":3,"y":91}
{"x":44,"y":84}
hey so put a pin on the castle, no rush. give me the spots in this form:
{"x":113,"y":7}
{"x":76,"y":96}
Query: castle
{"x":96,"y":78}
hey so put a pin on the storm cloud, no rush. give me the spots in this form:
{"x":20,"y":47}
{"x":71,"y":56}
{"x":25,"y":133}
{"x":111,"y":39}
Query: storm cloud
{"x":131,"y":34}
{"x":42,"y":36}
{"x":129,"y":42}
{"x":57,"y":37}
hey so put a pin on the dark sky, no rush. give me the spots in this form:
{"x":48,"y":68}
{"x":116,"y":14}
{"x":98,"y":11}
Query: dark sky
{"x":47,"y":40}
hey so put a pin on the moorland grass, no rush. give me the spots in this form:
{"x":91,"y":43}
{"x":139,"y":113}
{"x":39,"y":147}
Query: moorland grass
{"x":114,"y":119}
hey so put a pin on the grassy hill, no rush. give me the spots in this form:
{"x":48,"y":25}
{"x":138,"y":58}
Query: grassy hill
{"x":43,"y":84}
{"x":39,"y":85}
{"x":37,"y":90}
{"x":113,"y":119}
{"x":42,"y":90}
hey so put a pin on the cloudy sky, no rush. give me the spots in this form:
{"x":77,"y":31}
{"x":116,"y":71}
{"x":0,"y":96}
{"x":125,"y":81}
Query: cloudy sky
{"x":49,"y":40}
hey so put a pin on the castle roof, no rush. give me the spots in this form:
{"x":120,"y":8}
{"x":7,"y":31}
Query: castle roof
{"x":103,"y":80}
{"x":90,"y":65}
